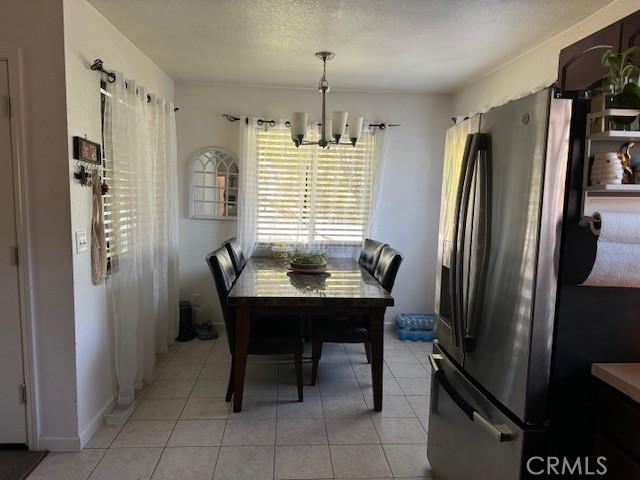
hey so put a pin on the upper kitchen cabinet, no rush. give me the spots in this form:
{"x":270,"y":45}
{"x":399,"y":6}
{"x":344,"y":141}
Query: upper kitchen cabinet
{"x":631,"y":31}
{"x":580,"y":63}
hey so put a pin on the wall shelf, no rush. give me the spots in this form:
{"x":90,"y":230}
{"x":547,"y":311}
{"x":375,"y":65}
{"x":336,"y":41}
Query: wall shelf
{"x":616,"y":136}
{"x":597,"y":198}
{"x":627,"y":190}
{"x":613,"y":135}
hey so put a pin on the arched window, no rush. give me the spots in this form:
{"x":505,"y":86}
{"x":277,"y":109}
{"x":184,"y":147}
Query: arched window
{"x":214,"y":184}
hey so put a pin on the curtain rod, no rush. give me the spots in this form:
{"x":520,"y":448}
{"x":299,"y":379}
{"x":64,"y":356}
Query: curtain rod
{"x":260,"y":121}
{"x":98,"y":66}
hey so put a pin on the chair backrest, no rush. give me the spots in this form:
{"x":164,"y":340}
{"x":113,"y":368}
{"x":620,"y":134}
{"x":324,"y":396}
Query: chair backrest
{"x":370,"y":254}
{"x":224,"y":276}
{"x":236,"y":254}
{"x":387,"y":267}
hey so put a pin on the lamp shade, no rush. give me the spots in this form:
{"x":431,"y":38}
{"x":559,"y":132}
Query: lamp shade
{"x":339,"y":124}
{"x":355,"y":127}
{"x":299,"y":124}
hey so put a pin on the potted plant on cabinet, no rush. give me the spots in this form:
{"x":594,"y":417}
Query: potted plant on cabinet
{"x":621,"y":84}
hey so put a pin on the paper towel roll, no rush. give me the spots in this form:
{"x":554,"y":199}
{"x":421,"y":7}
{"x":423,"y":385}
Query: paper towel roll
{"x":618,"y":256}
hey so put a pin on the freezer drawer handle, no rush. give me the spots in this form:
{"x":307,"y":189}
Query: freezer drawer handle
{"x":465,"y":406}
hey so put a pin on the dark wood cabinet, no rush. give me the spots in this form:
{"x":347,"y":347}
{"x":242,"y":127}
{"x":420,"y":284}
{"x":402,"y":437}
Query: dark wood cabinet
{"x":630,"y":32}
{"x":579,"y":63}
{"x":617,"y":433}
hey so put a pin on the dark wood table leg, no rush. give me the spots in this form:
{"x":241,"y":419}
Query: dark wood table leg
{"x":243,"y":324}
{"x":376,"y":329}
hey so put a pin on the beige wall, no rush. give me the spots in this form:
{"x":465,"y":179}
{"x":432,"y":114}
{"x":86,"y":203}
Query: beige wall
{"x":410,"y":193}
{"x":36,"y":28}
{"x":88,"y":35}
{"x":535,"y":68}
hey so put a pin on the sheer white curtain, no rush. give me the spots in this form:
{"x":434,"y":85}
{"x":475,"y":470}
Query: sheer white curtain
{"x":248,"y":185}
{"x":140,"y":151}
{"x":382,"y":153}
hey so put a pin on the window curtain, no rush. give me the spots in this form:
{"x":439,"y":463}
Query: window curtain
{"x":140,"y":147}
{"x":248,"y":186}
{"x":381,"y":159}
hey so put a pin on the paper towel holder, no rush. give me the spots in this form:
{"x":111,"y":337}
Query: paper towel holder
{"x":594,"y":222}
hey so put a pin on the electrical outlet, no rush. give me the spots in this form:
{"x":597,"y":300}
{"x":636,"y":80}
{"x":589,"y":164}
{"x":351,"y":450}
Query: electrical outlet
{"x":81,"y":241}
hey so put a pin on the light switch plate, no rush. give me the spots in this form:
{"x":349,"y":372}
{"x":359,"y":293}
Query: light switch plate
{"x":81,"y":241}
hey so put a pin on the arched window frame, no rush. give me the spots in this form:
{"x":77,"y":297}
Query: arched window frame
{"x":208,"y":161}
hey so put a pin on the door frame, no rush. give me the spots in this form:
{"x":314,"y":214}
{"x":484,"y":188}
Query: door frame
{"x":13,"y":57}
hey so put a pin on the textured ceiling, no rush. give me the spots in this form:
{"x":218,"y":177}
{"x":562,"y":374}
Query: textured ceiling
{"x":392,"y":45}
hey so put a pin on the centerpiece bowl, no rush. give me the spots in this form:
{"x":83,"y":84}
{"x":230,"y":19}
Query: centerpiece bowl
{"x":309,"y":262}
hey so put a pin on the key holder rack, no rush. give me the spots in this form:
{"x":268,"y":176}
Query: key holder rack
{"x":88,"y":158}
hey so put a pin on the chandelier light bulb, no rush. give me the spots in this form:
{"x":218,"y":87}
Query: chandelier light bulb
{"x":355,"y":129}
{"x":339,"y":124}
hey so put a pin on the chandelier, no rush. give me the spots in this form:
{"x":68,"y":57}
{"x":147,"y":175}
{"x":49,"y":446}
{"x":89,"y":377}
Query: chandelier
{"x":332,"y":130}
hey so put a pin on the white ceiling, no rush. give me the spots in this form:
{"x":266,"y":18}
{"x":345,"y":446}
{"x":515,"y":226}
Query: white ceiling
{"x":391,"y":45}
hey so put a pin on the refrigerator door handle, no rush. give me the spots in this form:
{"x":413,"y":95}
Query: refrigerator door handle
{"x":455,"y":272}
{"x":454,"y":247}
{"x":465,"y":406}
{"x":483,"y":158}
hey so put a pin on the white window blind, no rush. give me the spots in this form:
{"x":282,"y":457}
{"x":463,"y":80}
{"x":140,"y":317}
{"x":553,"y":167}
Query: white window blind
{"x":310,"y":194}
{"x":118,"y":219}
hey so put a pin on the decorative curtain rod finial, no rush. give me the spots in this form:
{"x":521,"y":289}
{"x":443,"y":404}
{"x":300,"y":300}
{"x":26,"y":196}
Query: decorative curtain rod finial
{"x":98,"y":66}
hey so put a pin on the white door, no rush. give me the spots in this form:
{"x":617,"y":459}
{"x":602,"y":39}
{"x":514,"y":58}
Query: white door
{"x":13,"y":423}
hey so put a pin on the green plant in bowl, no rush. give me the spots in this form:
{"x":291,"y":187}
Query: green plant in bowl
{"x":622,"y":72}
{"x":309,"y":258}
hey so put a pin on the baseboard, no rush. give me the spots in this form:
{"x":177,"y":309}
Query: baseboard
{"x":59,"y":444}
{"x":95,"y":423}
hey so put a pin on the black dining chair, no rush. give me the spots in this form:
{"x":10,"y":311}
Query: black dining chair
{"x":348,"y":329}
{"x":237,"y":255}
{"x":370,"y":253}
{"x":268,"y":335}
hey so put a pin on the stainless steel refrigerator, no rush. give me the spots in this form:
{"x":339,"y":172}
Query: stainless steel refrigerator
{"x":516,"y":333}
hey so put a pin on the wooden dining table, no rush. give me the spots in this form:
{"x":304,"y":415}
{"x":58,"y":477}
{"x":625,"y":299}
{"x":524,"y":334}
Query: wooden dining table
{"x":267,"y":287}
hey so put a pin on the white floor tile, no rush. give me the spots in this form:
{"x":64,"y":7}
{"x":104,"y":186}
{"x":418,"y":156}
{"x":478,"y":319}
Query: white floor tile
{"x":103,"y":436}
{"x":256,"y":408}
{"x":206,"y":408}
{"x":351,"y":430}
{"x":245,"y":463}
{"x":193,"y":463}
{"x":67,"y":466}
{"x":359,"y":461}
{"x":249,"y":432}
{"x":197,"y":433}
{"x":159,"y":409}
{"x":170,"y":389}
{"x":392,"y":406}
{"x":344,"y":406}
{"x":301,"y":431}
{"x":209,"y":389}
{"x":408,"y":460}
{"x":303,"y":462}
{"x":144,"y":433}
{"x":127,"y":464}
{"x":400,"y":430}
{"x":292,"y":408}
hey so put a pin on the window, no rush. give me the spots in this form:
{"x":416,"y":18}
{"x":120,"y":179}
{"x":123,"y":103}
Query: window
{"x":310,"y":194}
{"x":214,"y":184}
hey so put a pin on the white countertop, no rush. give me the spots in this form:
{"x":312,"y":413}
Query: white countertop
{"x":624,"y":377}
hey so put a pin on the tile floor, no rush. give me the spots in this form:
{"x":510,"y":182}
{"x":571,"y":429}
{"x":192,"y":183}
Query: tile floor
{"x":183,"y":429}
